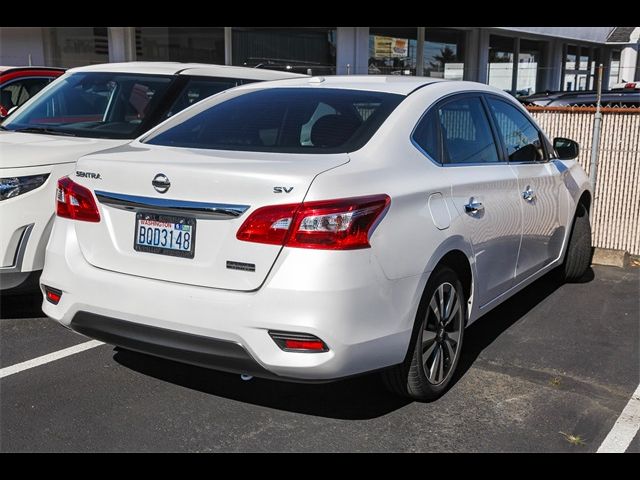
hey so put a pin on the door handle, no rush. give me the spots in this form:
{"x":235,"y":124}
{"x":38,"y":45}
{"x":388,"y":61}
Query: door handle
{"x":473,"y":207}
{"x":529,"y":195}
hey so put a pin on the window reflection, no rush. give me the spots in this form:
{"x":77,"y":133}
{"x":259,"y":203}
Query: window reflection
{"x":392,"y":51}
{"x":180,"y":44}
{"x":76,"y":46}
{"x":288,"y":49}
{"x":443,"y":53}
{"x":529,"y":67}
{"x":500,"y":69}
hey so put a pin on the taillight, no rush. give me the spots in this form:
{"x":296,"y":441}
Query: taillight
{"x":75,"y":202}
{"x":268,"y":224}
{"x":343,"y":224}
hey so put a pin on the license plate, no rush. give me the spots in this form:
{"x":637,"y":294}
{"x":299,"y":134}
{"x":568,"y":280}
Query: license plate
{"x":165,"y":234}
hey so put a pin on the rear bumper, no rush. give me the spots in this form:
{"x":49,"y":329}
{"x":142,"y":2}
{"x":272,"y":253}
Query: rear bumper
{"x":183,"y":347}
{"x":345,"y":300}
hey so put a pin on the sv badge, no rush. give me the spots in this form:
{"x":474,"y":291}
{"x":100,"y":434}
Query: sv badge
{"x":282,"y":189}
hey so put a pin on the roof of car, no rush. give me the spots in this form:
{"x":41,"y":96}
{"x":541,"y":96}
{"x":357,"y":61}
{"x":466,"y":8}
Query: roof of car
{"x":398,"y":84}
{"x":5,"y":68}
{"x":173,"y":68}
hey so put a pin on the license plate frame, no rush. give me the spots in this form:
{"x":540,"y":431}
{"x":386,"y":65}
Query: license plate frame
{"x":165,"y":218}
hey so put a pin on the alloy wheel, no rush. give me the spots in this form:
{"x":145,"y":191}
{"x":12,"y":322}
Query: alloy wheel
{"x":441,"y":333}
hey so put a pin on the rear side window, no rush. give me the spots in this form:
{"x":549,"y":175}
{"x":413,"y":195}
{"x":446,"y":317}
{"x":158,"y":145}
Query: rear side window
{"x":520,"y":137}
{"x":466,"y":133}
{"x":427,"y":136}
{"x":288,"y":120}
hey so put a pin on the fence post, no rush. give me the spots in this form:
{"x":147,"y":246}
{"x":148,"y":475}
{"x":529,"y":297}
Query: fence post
{"x":595,"y":141}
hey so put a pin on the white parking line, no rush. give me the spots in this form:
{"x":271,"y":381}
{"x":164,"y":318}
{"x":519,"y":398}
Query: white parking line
{"x":50,"y":357}
{"x":625,"y":428}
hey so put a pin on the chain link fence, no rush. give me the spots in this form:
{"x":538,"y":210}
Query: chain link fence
{"x":615,"y":214}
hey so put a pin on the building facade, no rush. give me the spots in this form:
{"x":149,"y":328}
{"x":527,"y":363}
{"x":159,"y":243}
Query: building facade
{"x":521,"y":60}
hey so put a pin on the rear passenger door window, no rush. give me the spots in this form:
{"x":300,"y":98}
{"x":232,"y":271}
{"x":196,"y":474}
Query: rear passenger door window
{"x":466,"y":133}
{"x":520,"y":137}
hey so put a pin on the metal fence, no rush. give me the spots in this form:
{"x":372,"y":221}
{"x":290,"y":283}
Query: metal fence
{"x":615,"y":214}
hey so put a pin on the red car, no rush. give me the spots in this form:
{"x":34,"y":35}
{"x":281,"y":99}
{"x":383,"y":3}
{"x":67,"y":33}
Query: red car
{"x":19,"y":84}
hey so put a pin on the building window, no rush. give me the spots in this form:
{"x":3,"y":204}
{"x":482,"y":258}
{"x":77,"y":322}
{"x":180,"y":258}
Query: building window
{"x":75,"y":46}
{"x":392,"y":51}
{"x":501,"y":55}
{"x":180,"y":44}
{"x":444,"y":53}
{"x":578,"y":69}
{"x":529,"y":67}
{"x":293,"y":49}
{"x":614,"y":72}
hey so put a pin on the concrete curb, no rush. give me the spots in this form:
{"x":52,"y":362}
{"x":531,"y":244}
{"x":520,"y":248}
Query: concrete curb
{"x":613,"y":258}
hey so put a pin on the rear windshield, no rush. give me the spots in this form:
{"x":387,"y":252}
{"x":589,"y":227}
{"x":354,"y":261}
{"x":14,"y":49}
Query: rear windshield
{"x":289,"y":120}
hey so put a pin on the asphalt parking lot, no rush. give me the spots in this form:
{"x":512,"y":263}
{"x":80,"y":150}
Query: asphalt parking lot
{"x":549,"y":370}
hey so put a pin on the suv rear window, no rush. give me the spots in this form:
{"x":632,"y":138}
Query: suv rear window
{"x":288,"y":120}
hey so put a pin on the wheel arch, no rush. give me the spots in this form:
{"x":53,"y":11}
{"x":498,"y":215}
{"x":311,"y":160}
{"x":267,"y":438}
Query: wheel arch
{"x":585,"y":201}
{"x":457,"y":254}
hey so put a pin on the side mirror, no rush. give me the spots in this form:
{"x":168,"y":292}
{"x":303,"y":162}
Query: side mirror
{"x":567,"y":149}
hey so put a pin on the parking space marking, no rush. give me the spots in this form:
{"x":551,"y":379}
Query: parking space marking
{"x":50,"y":357}
{"x":625,"y":428}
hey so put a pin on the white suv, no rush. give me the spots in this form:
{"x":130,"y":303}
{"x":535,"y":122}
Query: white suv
{"x":86,"y":110}
{"x":318,"y":228}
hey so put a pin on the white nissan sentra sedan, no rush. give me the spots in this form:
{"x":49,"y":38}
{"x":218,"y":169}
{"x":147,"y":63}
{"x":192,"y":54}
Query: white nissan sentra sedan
{"x":86,"y":110}
{"x":314,"y":229}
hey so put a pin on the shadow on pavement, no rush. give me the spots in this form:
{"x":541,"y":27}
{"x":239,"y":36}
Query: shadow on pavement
{"x":358,"y":398}
{"x":23,"y":305}
{"x":488,"y":328}
{"x":354,"y":399}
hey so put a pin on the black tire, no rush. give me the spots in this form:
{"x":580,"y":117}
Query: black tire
{"x":413,"y":378}
{"x":578,"y":256}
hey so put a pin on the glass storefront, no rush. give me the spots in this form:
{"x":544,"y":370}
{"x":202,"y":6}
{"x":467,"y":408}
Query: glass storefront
{"x":180,"y":44}
{"x":529,"y":67}
{"x":614,"y":72}
{"x":76,"y":46}
{"x":579,"y":68}
{"x":500,"y":71}
{"x":294,"y":49}
{"x":392,"y":51}
{"x":444,"y":53}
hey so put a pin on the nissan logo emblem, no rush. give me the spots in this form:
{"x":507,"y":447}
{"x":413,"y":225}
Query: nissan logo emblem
{"x":161,"y":183}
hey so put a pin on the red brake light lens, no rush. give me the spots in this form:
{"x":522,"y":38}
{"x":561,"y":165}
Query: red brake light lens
{"x":298,"y":342}
{"x":317,"y":345}
{"x":75,"y":202}
{"x":53,"y":295}
{"x":342,"y":224}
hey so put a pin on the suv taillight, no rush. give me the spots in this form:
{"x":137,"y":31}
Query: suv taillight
{"x":342,"y":224}
{"x":75,"y":202}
